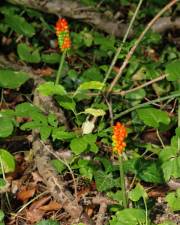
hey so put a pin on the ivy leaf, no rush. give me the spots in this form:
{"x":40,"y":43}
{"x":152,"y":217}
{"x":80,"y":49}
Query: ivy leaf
{"x":153,"y":117}
{"x":7,"y":161}
{"x":19,"y":25}
{"x":149,"y":171}
{"x":28,"y":54}
{"x":66,"y":102}
{"x":170,"y":162}
{"x":173,"y":70}
{"x":138,"y":192}
{"x":12,"y":79}
{"x":105,"y":181}
{"x":26,"y":109}
{"x":49,"y":89}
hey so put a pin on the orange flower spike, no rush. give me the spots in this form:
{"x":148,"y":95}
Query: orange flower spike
{"x":119,"y":134}
{"x":62,"y":32}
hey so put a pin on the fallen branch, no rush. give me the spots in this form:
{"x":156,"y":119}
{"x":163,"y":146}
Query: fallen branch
{"x":90,"y":15}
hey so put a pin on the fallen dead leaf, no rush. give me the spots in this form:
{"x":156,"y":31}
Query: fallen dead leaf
{"x":24,"y":195}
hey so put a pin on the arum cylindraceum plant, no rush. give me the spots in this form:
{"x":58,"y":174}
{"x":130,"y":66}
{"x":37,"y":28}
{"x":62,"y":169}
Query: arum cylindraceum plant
{"x":64,"y":42}
{"x":119,"y":135}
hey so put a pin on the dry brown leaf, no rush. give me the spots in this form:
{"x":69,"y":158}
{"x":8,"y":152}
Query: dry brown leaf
{"x":24,"y":195}
{"x":34,"y":215}
{"x":37,"y":204}
{"x":51,"y":206}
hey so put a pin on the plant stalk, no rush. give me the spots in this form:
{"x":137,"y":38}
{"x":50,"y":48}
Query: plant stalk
{"x":122,"y":177}
{"x":60,"y":68}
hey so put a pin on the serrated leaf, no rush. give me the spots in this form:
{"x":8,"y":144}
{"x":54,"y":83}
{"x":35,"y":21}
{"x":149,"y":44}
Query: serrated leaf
{"x":153,"y":117}
{"x":95,"y":112}
{"x":6,"y":127}
{"x":49,"y":89}
{"x":28,"y":54}
{"x":7,"y":161}
{"x":19,"y":25}
{"x":173,"y":70}
{"x":12,"y":79}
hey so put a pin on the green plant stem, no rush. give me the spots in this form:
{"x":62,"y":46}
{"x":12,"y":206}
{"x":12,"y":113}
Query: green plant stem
{"x":146,"y":104}
{"x":122,"y":177}
{"x":145,"y":204}
{"x":60,"y":67}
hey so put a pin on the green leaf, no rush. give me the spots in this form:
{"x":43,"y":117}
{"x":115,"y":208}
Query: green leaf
{"x":137,"y":193}
{"x":7,"y":161}
{"x":1,"y":215}
{"x":28,"y":54}
{"x":2,"y":184}
{"x":85,"y":169}
{"x":58,"y":165}
{"x":117,"y":196}
{"x":105,"y":181}
{"x":12,"y":79}
{"x":19,"y":25}
{"x":153,"y":117}
{"x":48,"y":222}
{"x":26,"y":109}
{"x":49,"y":89}
{"x":59,"y":134}
{"x":173,"y":70}
{"x":51,"y":58}
{"x":136,"y":95}
{"x":170,"y":162}
{"x":173,"y":200}
{"x":45,"y":132}
{"x":96,"y":85}
{"x":129,"y":217}
{"x":167,"y":223}
{"x":6,"y":127}
{"x":149,"y":171}
{"x":95,"y":112}
{"x":78,"y":145}
{"x":52,"y":120}
{"x":92,"y":73}
{"x":66,"y":102}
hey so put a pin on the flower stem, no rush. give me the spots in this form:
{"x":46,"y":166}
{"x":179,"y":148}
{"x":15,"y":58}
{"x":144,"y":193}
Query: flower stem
{"x":60,"y":67}
{"x":122,"y":177}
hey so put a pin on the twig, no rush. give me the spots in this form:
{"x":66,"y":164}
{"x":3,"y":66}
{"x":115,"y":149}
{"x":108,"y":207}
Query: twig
{"x":130,"y":53}
{"x":142,"y":85}
{"x":146,"y":104}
